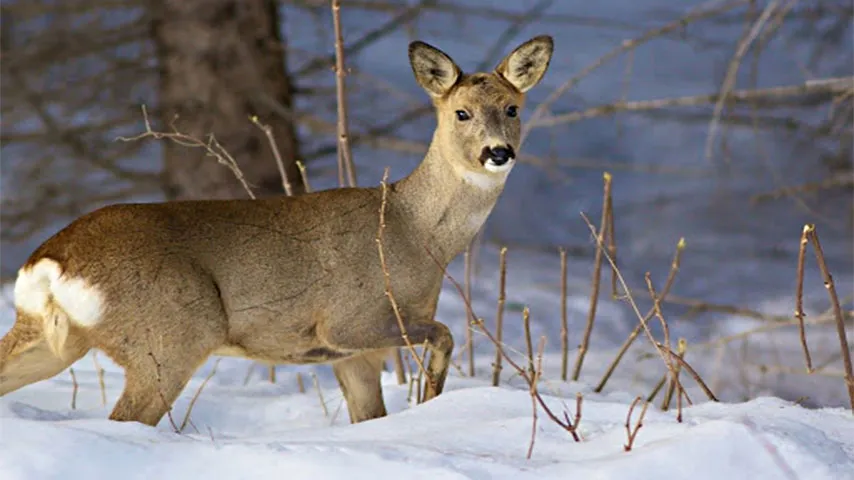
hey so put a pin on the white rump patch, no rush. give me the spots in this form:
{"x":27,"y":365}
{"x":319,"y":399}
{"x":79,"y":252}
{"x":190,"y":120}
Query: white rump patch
{"x":38,"y":284}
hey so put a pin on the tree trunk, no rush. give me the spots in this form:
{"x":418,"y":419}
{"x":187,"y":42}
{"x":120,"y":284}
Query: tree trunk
{"x":221,"y":62}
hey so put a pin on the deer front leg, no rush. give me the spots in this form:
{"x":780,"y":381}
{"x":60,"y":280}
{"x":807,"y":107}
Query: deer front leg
{"x":355,"y":372}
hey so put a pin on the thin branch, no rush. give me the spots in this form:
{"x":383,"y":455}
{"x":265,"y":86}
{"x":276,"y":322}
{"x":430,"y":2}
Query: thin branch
{"x":595,"y":282}
{"x":564,"y":318}
{"x":837,"y":313}
{"x":499,"y":314}
{"x":345,"y":155}
{"x":625,"y":46}
{"x":831,"y":86}
{"x":732,"y":71}
{"x":671,"y":277}
{"x":387,"y":279}
{"x":799,"y":296}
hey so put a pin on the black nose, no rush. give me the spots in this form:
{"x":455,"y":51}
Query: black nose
{"x":500,"y":155}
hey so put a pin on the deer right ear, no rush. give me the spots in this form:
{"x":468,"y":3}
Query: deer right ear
{"x":434,"y":70}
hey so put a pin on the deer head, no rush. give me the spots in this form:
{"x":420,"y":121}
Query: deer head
{"x":478,"y":125}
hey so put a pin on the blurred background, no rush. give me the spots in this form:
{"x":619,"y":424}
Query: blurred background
{"x":728,"y":123}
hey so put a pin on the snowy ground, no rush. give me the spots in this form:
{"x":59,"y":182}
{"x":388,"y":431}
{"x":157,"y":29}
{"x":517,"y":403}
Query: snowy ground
{"x":263,"y":430}
{"x":737,"y":254}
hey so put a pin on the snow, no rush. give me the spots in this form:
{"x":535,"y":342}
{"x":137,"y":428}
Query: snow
{"x":774,"y":424}
{"x":473,"y":430}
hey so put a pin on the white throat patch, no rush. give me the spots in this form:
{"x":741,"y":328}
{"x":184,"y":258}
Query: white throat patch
{"x":494,"y":175}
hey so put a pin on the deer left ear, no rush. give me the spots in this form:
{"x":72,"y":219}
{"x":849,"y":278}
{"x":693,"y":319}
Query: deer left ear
{"x":526,"y":65}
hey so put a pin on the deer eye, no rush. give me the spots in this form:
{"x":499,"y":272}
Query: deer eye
{"x":512,"y":111}
{"x":462,"y":115}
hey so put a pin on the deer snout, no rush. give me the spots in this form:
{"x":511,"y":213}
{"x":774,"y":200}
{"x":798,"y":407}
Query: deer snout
{"x":497,"y":156}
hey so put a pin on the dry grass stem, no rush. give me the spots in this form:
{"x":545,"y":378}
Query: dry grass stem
{"x":732,"y":72}
{"x":799,"y":296}
{"x":399,"y":371}
{"x":499,"y":314}
{"x":632,"y":432}
{"x":596,"y":281}
{"x":611,"y":235}
{"x":212,"y":147}
{"x":536,"y":373}
{"x":469,"y":346}
{"x":387,"y":279}
{"x":564,"y":320}
{"x":671,"y":277}
{"x":271,"y":373}
{"x":656,"y":306}
{"x":304,"y":175}
{"x":345,"y":156}
{"x":268,"y":132}
{"x":626,"y":46}
{"x":160,"y":393}
{"x":101,"y":383}
{"x":829,"y":86}
{"x":74,"y":388}
{"x":681,"y":348}
{"x":529,"y":346}
{"x":300,"y":383}
{"x":564,"y":424}
{"x":643,"y":320}
{"x":196,"y":395}
{"x":844,"y":347}
{"x":316,"y":383}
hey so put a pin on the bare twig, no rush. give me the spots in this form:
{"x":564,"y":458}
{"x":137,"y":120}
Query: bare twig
{"x":529,"y":346}
{"x":268,"y":132}
{"x":160,"y":393}
{"x":799,"y":296}
{"x":656,"y":306}
{"x":345,"y":156}
{"x":300,"y":383}
{"x":398,"y":367}
{"x":387,"y":280}
{"x":564,"y":321}
{"x":732,"y":71}
{"x":671,"y":276}
{"x":564,"y":424}
{"x":101,"y":383}
{"x":316,"y":384}
{"x":196,"y":395}
{"x":626,"y":46}
{"x":837,"y":313}
{"x":595,"y":283}
{"x":74,"y":388}
{"x":212,"y":147}
{"x":632,"y":433}
{"x":825,"y":88}
{"x":612,"y":249}
{"x":536,"y":373}
{"x":499,"y":315}
{"x":658,"y":347}
{"x":469,"y":346}
{"x":304,"y":175}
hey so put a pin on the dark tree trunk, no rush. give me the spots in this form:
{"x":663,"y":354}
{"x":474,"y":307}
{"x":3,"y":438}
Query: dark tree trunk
{"x":222,"y":61}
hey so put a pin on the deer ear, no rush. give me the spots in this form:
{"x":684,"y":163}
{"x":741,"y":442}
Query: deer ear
{"x":526,"y":65}
{"x":433,"y":69}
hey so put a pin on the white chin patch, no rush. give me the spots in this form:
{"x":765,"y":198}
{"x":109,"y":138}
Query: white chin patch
{"x":490,"y":166}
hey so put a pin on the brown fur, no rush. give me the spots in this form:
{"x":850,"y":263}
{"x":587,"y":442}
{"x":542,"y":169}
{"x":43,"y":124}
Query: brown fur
{"x":286,"y":279}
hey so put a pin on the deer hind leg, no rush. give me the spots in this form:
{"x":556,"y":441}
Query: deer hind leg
{"x":359,"y":378}
{"x":149,"y":393}
{"x":26,"y":357}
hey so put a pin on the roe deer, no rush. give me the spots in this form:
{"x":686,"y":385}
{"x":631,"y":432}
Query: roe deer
{"x":159,"y":287}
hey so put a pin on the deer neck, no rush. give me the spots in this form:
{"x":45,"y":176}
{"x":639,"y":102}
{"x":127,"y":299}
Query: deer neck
{"x":446,"y":202}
